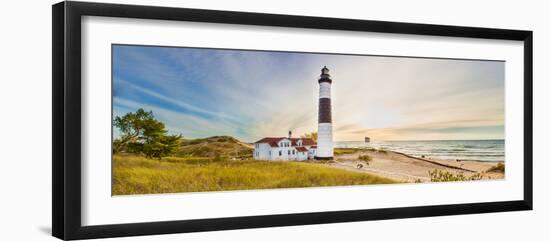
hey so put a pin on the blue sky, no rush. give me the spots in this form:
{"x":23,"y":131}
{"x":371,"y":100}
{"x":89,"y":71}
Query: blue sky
{"x":254,"y":94}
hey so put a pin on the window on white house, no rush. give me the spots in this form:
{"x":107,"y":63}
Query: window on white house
{"x":288,"y":152}
{"x":280,"y":153}
{"x":293,"y":152}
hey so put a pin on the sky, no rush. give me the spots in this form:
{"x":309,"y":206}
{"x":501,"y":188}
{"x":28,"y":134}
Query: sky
{"x":249,"y":95}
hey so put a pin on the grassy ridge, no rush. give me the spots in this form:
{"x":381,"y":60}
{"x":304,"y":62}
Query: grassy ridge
{"x":139,"y":175}
{"x":214,"y":146}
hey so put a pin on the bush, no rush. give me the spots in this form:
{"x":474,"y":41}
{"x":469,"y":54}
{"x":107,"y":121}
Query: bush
{"x":218,"y":158}
{"x":499,"y":167}
{"x":445,"y":176}
{"x":365,"y":158}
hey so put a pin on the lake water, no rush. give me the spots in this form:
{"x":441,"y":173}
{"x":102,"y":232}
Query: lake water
{"x":481,"y":150}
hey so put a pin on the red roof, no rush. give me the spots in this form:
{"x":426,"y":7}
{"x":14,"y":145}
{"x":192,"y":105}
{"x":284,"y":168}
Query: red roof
{"x":305,"y":141}
{"x":272,"y":141}
{"x":301,"y":149}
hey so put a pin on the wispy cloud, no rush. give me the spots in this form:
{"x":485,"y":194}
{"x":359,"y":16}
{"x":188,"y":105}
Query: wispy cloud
{"x":250,"y":94}
{"x":187,"y":106}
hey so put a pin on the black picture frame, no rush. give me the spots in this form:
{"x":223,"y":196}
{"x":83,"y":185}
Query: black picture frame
{"x":66,"y":127}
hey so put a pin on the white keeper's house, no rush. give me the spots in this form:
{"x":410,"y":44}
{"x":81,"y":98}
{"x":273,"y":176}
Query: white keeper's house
{"x":285,"y":148}
{"x":288,"y":148}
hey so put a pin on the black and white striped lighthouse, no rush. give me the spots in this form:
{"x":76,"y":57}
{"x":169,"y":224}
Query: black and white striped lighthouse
{"x":324,"y":131}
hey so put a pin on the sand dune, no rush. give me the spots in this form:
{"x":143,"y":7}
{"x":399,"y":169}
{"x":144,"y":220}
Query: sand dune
{"x":405,"y":168}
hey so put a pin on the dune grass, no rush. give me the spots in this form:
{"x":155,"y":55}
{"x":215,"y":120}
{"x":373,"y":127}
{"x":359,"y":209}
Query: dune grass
{"x":214,"y":146}
{"x":139,"y":175}
{"x":499,"y":167}
{"x":342,"y":151}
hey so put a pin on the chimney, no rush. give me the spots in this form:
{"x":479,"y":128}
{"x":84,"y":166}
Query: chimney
{"x":289,"y":134}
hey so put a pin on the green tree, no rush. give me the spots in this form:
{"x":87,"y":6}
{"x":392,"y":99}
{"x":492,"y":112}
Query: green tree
{"x":312,"y":135}
{"x":142,"y":133}
{"x":131,"y":126}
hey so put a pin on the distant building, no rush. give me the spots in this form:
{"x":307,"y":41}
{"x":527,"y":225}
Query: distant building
{"x":285,"y":148}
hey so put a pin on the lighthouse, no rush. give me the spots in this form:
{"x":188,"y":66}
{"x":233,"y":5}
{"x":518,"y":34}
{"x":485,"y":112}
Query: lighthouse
{"x":324,"y":131}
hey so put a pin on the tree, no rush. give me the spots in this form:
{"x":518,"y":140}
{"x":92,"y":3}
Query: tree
{"x":132,"y":126}
{"x":142,"y":133}
{"x":312,"y":135}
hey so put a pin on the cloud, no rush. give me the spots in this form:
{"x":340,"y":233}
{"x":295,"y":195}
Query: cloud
{"x":250,"y":94}
{"x":176,"y":122}
{"x":184,"y":105}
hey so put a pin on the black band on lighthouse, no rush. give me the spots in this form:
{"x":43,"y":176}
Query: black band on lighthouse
{"x":325,"y":115}
{"x":325,"y":79}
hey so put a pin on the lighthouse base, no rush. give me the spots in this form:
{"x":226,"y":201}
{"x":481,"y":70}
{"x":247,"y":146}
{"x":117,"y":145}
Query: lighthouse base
{"x":323,"y":158}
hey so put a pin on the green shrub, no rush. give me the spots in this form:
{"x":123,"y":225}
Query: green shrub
{"x":365,"y":158}
{"x":445,"y":176}
{"x":218,"y":158}
{"x":499,"y":167}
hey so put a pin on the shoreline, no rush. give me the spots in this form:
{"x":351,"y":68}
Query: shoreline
{"x":435,"y":162}
{"x":406,"y":168}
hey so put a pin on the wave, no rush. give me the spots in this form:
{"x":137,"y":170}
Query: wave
{"x":482,"y":150}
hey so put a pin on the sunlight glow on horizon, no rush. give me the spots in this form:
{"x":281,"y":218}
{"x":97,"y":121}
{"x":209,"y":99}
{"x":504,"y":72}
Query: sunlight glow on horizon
{"x":254,"y":94}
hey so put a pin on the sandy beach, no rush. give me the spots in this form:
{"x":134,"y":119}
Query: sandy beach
{"x":405,"y":168}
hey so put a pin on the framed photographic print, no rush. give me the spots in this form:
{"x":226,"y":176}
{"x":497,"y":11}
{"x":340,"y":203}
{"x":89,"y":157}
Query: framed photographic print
{"x":162,"y":114}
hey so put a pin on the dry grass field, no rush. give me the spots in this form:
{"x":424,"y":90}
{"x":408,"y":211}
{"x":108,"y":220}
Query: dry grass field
{"x":134,"y":174}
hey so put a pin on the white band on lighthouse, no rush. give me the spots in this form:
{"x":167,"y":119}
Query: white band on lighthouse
{"x":324,"y":90}
{"x":324,"y":140}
